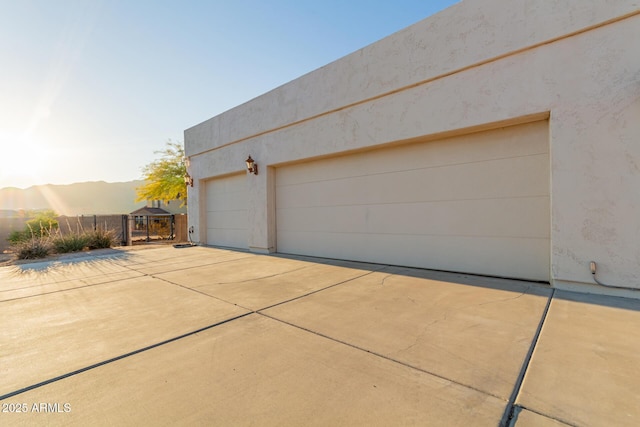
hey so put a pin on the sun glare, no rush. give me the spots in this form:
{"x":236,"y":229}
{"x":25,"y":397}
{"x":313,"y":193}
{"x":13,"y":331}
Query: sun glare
{"x":24,"y":163}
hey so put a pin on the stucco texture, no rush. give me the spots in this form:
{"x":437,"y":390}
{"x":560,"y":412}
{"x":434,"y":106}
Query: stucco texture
{"x":477,"y":65}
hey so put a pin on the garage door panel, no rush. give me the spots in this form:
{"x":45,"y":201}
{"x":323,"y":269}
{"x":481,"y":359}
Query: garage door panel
{"x":502,"y":257}
{"x":509,"y":142}
{"x":493,"y":179}
{"x":229,"y":202}
{"x":227,"y":215}
{"x":236,"y":219}
{"x":461,"y":218}
{"x":228,"y":184}
{"x":228,"y":237}
{"x":453,"y":204}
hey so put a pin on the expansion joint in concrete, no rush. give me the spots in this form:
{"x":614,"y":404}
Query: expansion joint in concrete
{"x":319,"y":290}
{"x":382,"y":356}
{"x":510,"y":410}
{"x":519,"y":408}
{"x":115,"y":359}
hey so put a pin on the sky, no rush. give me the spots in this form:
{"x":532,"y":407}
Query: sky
{"x":91,"y":89}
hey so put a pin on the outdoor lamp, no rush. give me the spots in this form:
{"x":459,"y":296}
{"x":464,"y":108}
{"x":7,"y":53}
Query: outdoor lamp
{"x":188,"y":179}
{"x":252,"y":166}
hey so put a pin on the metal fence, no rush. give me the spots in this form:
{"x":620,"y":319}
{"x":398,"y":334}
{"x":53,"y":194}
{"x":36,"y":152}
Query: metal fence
{"x":128,"y":229}
{"x":149,"y":228}
{"x":78,"y":224}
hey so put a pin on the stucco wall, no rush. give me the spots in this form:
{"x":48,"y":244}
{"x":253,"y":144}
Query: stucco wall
{"x":478,"y":64}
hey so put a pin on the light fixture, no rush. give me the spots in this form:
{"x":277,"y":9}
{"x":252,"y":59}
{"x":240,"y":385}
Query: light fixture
{"x":188,"y":179}
{"x":252,"y":166}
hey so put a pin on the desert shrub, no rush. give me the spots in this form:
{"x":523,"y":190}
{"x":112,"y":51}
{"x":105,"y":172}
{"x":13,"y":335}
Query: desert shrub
{"x":18,"y":236}
{"x":44,"y":223}
{"x":40,"y":241}
{"x":33,"y":248}
{"x":73,"y":242}
{"x":100,"y":239}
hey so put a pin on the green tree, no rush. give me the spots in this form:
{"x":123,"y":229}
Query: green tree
{"x":165,"y":176}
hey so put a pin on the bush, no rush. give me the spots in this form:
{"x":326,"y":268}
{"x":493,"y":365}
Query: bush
{"x":33,"y":248}
{"x":44,"y":222}
{"x":18,"y":236}
{"x":101,"y":239}
{"x":42,"y":225}
{"x":38,"y":241}
{"x":70,"y":243}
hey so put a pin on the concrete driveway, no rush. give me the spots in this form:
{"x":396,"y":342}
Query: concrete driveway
{"x":204,"y":336}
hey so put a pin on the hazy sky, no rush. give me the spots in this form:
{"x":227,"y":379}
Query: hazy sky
{"x":89,"y":89}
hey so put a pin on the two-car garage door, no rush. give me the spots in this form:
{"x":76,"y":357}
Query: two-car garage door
{"x":477,"y":203}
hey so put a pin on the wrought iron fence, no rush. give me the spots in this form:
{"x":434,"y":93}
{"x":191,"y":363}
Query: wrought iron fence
{"x":147,"y":228}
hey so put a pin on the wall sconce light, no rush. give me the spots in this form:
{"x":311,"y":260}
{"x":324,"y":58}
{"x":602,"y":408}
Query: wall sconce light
{"x":252,"y":166}
{"x":188,"y":179}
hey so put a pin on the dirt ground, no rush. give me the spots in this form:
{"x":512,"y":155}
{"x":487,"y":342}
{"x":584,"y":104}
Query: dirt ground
{"x":7,"y":259}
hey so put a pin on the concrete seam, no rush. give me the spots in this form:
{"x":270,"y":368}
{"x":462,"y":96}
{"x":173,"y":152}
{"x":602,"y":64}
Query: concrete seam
{"x":261,"y":277}
{"x":132,"y":353}
{"x":68,"y":289}
{"x":128,"y":267}
{"x":320,"y":290}
{"x":273,"y":275}
{"x":507,"y":417}
{"x":71,"y":280}
{"x":115,"y":359}
{"x":202,"y":293}
{"x":382,"y":356}
{"x":548,"y":416}
{"x":188,"y":268}
{"x":140,"y":274}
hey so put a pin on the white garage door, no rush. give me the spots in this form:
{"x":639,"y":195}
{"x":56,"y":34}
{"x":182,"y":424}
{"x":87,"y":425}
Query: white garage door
{"x":477,"y":203}
{"x":226,"y":200}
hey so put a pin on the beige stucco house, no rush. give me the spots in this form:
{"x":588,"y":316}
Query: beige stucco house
{"x":496,"y":137}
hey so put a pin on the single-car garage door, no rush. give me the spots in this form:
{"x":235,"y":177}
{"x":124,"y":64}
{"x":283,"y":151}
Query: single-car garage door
{"x":226,"y":201}
{"x":477,"y":203}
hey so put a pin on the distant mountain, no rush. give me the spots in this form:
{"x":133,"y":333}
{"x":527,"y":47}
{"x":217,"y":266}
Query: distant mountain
{"x":7,"y":213}
{"x":84,"y":198}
